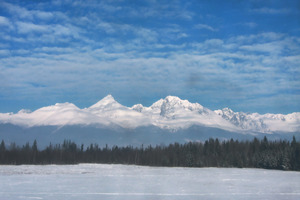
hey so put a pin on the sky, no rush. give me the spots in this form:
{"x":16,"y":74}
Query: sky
{"x":244,"y":55}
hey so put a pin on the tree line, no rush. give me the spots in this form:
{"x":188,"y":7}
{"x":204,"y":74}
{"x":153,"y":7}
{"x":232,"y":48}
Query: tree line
{"x":263,"y":153}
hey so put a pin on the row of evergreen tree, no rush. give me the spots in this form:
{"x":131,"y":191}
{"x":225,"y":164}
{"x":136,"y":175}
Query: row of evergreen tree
{"x":266,"y":154}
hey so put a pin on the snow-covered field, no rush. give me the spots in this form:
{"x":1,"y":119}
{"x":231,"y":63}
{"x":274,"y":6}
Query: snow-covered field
{"x":99,"y":181}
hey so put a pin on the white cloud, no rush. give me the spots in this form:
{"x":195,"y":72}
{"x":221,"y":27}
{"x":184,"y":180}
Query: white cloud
{"x":205,"y":27}
{"x":4,"y":52}
{"x":256,"y":38}
{"x":26,"y":27}
{"x":146,"y":34}
{"x":66,"y":30}
{"x":272,"y":47}
{"x":107,"y":27}
{"x":28,"y":32}
{"x":43,"y":15}
{"x":4,"y":21}
{"x":161,"y":10}
{"x":93,"y":52}
{"x":64,"y":69}
{"x":19,"y":11}
{"x":26,"y":14}
{"x":251,"y":24}
{"x":140,"y":33}
{"x":266,"y":10}
{"x":172,"y":32}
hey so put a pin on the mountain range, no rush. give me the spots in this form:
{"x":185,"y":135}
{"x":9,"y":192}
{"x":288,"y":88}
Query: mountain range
{"x":168,"y":120}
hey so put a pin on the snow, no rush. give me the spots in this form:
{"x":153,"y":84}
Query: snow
{"x":138,"y":107}
{"x":107,"y":102}
{"x":173,"y":113}
{"x":170,"y":113}
{"x":100,"y":181}
{"x":266,"y":123}
{"x":109,"y":110}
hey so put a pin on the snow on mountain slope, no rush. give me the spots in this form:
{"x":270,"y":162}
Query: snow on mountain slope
{"x":174,"y":113}
{"x":107,"y":103}
{"x":241,"y":120}
{"x":174,"y":105}
{"x":262,"y":123}
{"x":58,"y":114}
{"x":170,"y":113}
{"x":115,"y":113}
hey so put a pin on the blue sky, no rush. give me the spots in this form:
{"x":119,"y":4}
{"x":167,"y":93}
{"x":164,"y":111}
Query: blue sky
{"x":244,"y":55}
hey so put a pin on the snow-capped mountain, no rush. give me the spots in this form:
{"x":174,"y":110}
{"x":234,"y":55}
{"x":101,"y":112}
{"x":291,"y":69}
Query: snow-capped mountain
{"x":266,"y":123}
{"x":109,"y":111}
{"x":242,"y":120}
{"x":171,"y":113}
{"x":58,"y":114}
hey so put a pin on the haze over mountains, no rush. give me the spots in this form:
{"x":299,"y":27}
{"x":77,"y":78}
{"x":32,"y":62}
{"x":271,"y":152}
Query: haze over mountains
{"x":167,"y":120}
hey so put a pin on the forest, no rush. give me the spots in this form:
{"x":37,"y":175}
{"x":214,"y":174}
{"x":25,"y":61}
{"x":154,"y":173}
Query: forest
{"x":283,"y":155}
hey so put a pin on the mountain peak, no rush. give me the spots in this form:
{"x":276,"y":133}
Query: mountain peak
{"x":59,"y":106}
{"x":157,"y":104}
{"x":109,"y":98}
{"x":173,"y":104}
{"x":138,"y":107}
{"x":172,"y":98}
{"x":106,"y":102}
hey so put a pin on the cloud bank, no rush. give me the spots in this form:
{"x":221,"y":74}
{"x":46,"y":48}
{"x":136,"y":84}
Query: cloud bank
{"x":73,"y":51}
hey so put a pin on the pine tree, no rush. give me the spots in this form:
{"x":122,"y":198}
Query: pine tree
{"x":2,"y":152}
{"x":2,"y":146}
{"x":295,"y":158}
{"x":34,"y":152}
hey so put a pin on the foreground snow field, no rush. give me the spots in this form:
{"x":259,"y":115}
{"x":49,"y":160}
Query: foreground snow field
{"x":100,"y":181}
